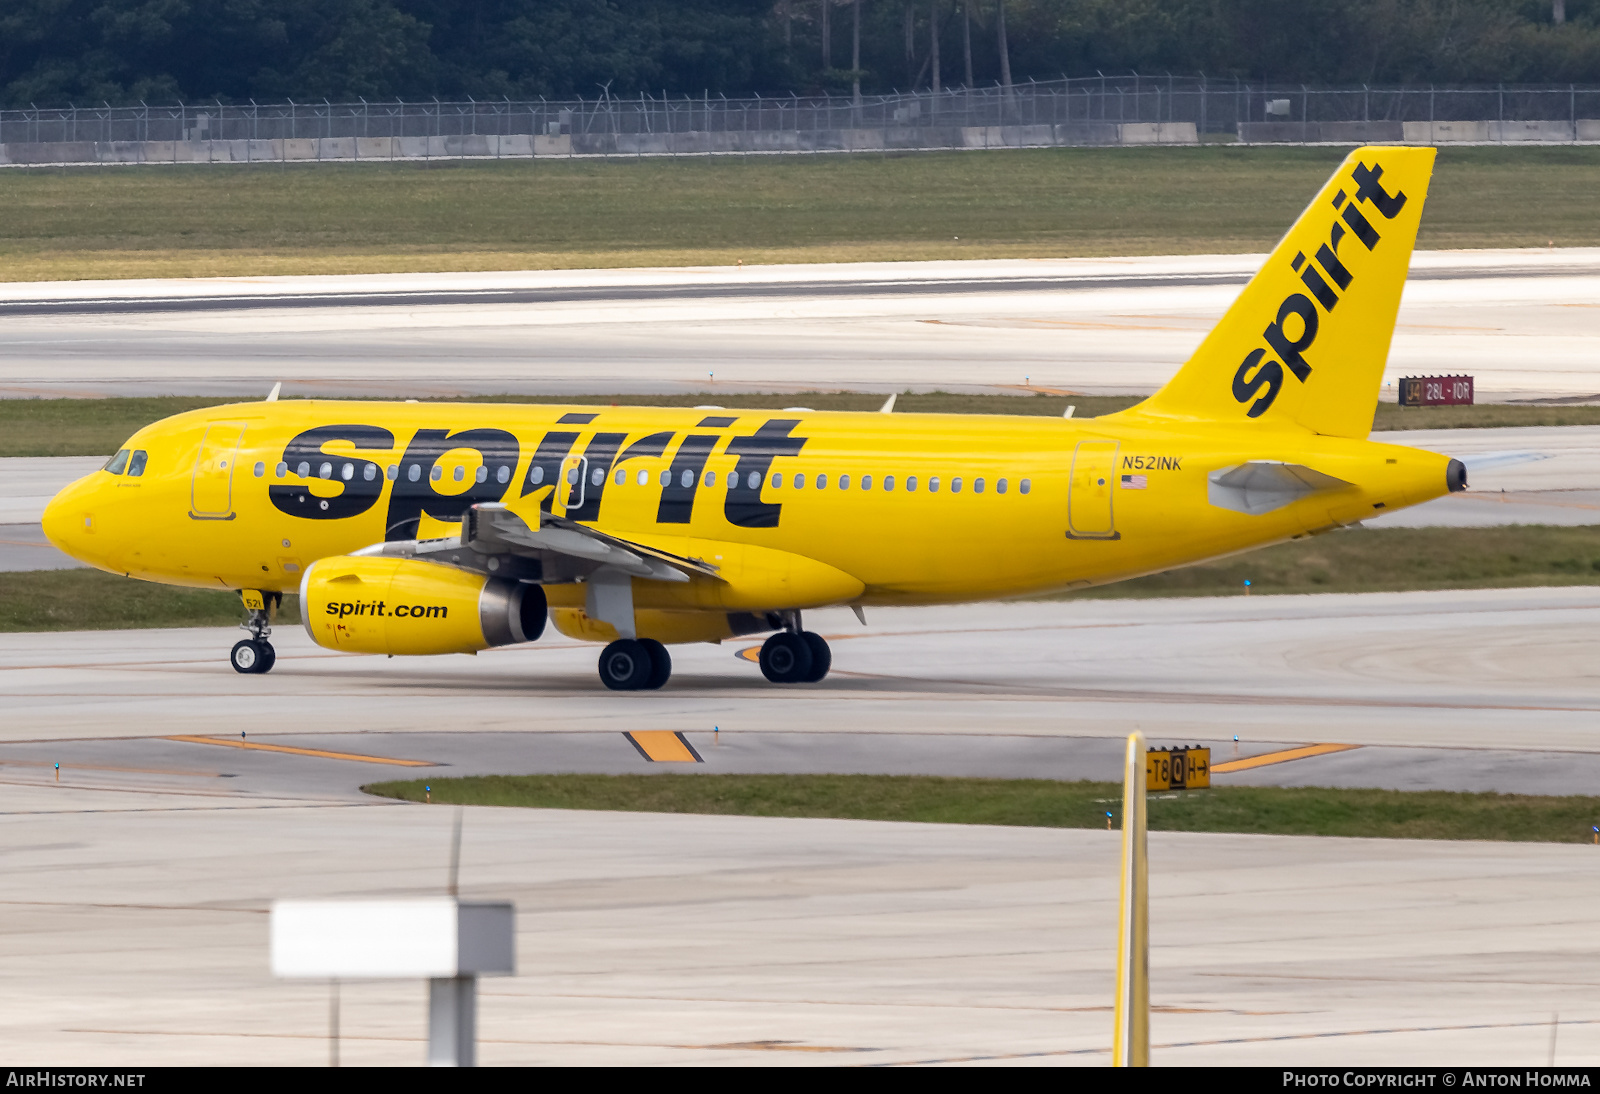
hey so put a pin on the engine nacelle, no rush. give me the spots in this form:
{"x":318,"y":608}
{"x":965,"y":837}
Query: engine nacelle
{"x":406,"y":606}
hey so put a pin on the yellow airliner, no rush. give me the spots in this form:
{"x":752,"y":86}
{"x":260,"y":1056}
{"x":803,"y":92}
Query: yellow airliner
{"x":416,"y":528}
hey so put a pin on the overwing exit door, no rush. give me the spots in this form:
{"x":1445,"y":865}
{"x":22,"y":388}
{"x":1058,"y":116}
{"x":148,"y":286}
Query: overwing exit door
{"x":574,"y":476}
{"x":1089,"y":497}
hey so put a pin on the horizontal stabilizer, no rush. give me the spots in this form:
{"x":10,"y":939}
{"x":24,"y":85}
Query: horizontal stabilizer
{"x":1261,"y":486}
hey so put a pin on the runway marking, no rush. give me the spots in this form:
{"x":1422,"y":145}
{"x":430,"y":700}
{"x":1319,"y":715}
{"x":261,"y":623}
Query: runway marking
{"x":663,"y":746}
{"x":751,"y":654}
{"x":257,"y":745}
{"x":1280,"y":757}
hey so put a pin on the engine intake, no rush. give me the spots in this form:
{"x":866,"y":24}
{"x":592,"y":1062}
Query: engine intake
{"x":374,"y":604}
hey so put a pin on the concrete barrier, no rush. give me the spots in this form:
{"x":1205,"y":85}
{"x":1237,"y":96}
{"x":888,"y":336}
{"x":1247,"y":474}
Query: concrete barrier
{"x":1320,"y":132}
{"x":1445,"y":132}
{"x":1159,"y":133}
{"x":1530,"y":131}
{"x":495,"y":146}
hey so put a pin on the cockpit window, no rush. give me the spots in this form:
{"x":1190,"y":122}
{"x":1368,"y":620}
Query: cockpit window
{"x":136,"y":464}
{"x":118,"y":463}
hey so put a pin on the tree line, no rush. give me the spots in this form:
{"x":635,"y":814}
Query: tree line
{"x":54,"y":52}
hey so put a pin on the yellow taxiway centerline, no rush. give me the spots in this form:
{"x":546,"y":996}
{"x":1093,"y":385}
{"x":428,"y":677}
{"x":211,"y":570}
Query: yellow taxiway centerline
{"x":1282,"y":756}
{"x":357,"y":757}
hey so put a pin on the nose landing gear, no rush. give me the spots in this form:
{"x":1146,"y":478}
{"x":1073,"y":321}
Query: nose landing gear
{"x":255,"y":655}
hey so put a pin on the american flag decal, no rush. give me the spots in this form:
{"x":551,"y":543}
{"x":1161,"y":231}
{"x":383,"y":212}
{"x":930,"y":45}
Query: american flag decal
{"x":1134,"y":482}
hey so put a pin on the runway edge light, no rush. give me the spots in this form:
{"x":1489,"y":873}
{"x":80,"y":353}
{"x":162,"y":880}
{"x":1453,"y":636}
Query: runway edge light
{"x":1130,"y":1041}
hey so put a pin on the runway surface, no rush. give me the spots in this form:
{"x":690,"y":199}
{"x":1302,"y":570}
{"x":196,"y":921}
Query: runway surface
{"x":1524,"y":322}
{"x":137,"y":935}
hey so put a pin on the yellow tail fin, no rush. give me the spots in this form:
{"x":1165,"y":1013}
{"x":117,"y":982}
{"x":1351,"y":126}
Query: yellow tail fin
{"x":1306,"y":342}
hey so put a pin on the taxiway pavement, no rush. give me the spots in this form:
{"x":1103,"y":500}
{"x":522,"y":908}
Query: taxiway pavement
{"x":137,"y":935}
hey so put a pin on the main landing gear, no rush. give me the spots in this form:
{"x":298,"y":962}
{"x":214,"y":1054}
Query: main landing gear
{"x":635,"y":664}
{"x":795,"y":657}
{"x":255,"y":654}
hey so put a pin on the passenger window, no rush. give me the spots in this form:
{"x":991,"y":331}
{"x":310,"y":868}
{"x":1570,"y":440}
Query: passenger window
{"x":281,"y":470}
{"x":711,"y":478}
{"x":1000,"y":487}
{"x":119,"y":463}
{"x":622,"y":477}
{"x":369,"y":472}
{"x":686,"y":479}
{"x":325,"y":471}
{"x":822,"y":482}
{"x":888,"y":482}
{"x":597,"y":476}
{"x":347,"y":472}
{"x":643,"y":478}
{"x":483,"y":473}
{"x":436,"y":474}
{"x":503,"y":475}
{"x":844,"y":482}
{"x":777,"y":479}
{"x":535,"y":475}
{"x":977,"y":486}
{"x":955,"y":485}
{"x":866,"y":482}
{"x":933,"y":484}
{"x":393,"y":472}
{"x":911,"y":482}
{"x":305,"y":469}
{"x":261,"y":470}
{"x":753,"y":480}
{"x":459,"y":474}
{"x":800,"y":480}
{"x":1024,"y":485}
{"x":413,"y":473}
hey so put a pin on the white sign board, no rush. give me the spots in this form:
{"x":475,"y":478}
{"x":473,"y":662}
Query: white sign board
{"x":429,"y":938}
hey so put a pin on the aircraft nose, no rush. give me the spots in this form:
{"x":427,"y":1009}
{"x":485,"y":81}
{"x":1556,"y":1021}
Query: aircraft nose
{"x":69,"y":518}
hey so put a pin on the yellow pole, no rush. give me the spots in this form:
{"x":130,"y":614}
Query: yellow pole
{"x":1130,"y":1042}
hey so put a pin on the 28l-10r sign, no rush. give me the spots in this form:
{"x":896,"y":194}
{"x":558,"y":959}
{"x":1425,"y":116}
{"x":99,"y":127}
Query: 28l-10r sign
{"x":1436,"y":391}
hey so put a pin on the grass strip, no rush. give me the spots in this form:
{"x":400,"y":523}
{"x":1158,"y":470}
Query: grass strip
{"x":92,"y":600}
{"x":97,"y":427}
{"x":1264,"y":810}
{"x":215,"y":220}
{"x":1369,"y":560}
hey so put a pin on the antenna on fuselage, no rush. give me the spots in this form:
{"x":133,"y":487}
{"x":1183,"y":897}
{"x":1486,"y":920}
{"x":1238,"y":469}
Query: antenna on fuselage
{"x":888,"y":407}
{"x":1070,"y":409}
{"x":272,"y":396}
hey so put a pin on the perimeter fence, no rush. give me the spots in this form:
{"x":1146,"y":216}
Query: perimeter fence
{"x":1211,"y":106}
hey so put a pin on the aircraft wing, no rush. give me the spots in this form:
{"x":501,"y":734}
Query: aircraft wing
{"x":492,"y":528}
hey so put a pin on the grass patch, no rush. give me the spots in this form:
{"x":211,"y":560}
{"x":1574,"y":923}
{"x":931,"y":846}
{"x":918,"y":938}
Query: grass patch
{"x":1367,"y":560}
{"x":1385,"y":814}
{"x":92,"y":600}
{"x":97,"y":427}
{"x":209,"y":220}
